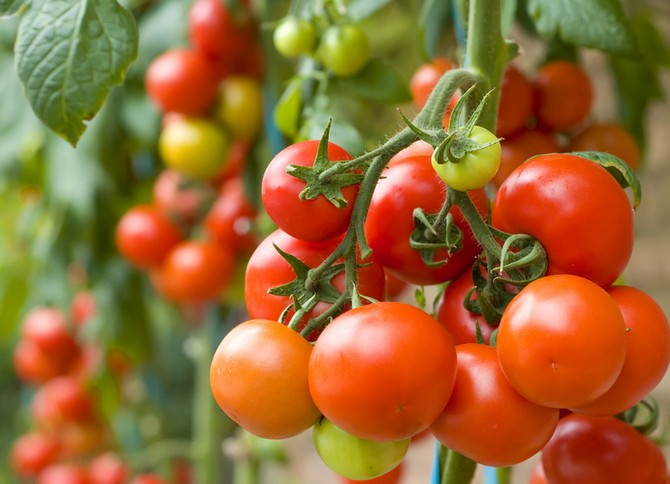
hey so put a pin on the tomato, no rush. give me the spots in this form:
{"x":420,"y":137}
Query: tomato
{"x":600,"y":450}
{"x":611,"y":138}
{"x":452,"y":314}
{"x":563,"y":95}
{"x":575,"y":208}
{"x":48,"y":329}
{"x":391,"y":477}
{"x":144,"y":236}
{"x":35,"y":365}
{"x":354,"y":457}
{"x":179,"y":197}
{"x":82,"y":307}
{"x":485,"y":413}
{"x":520,"y":147}
{"x":647,"y":353}
{"x":562,"y":341}
{"x":182,"y":80}
{"x":516,"y":102}
{"x":196,"y":147}
{"x":61,"y":401}
{"x":148,"y":478}
{"x":294,"y":36}
{"x":409,"y":181}
{"x":82,"y":438}
{"x":477,"y":168}
{"x":63,"y":473}
{"x":237,"y":158}
{"x":33,"y":452}
{"x":267,"y":269}
{"x":195,"y":272}
{"x":382,"y":372}
{"x":425,"y":77}
{"x":313,"y":220}
{"x":343,"y":49}
{"x":107,"y":468}
{"x":229,"y":221}
{"x":240,"y":106}
{"x":259,"y":379}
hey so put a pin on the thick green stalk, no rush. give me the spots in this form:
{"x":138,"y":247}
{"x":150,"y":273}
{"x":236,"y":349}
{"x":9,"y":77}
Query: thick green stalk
{"x":457,"y":469}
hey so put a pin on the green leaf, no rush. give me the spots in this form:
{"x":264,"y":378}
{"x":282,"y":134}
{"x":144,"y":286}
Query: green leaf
{"x":360,"y":9}
{"x":287,"y":111}
{"x":342,"y":133}
{"x":597,"y":24}
{"x":378,"y":82}
{"x":432,"y":21}
{"x":10,"y":7}
{"x":69,"y":53}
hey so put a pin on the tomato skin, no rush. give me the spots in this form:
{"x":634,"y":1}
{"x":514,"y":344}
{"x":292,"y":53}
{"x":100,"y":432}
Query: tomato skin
{"x":294,"y":36}
{"x":34,"y":365}
{"x":47,"y":328}
{"x":144,"y":236}
{"x":179,"y":197}
{"x":312,"y":220}
{"x":476,"y":169}
{"x":599,"y":450}
{"x":409,"y":182}
{"x":353,"y":457}
{"x":382,"y":372}
{"x":563,"y":95}
{"x":107,"y":468}
{"x":647,"y":353}
{"x":240,"y":106}
{"x":562,"y":341}
{"x":485,"y":418}
{"x":461,"y":323}
{"x":32,"y":452}
{"x":608,"y":137}
{"x":587,"y":208}
{"x":343,"y":49}
{"x":425,"y":77}
{"x":62,"y":473}
{"x":183,"y":81}
{"x":62,"y":401}
{"x":267,"y":269}
{"x":516,"y":102}
{"x":391,"y":477}
{"x":259,"y":379}
{"x":520,"y":147}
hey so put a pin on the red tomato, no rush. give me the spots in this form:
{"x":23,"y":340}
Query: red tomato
{"x":313,"y":220}
{"x":485,"y":414}
{"x":408,"y":182}
{"x":63,"y":473}
{"x":382,"y":372}
{"x":452,"y":314}
{"x":182,"y":80}
{"x":516,"y":102}
{"x":647,"y":353}
{"x":144,"y":236}
{"x":181,"y":198}
{"x":34,"y":365}
{"x":611,"y":138}
{"x":575,"y":208}
{"x":563,"y":95}
{"x":600,"y":450}
{"x":32,"y":452}
{"x":195,"y":271}
{"x":259,"y":379}
{"x":48,"y":329}
{"x":107,"y":468}
{"x":425,"y":77}
{"x":562,"y":341}
{"x":148,"y":478}
{"x":61,"y":401}
{"x":267,"y":269}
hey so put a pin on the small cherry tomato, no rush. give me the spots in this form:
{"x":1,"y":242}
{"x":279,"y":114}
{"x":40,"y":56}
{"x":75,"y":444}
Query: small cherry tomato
{"x":108,"y":468}
{"x":608,"y":137}
{"x":344,"y":49}
{"x":240,"y":106}
{"x":62,"y":473}
{"x":294,"y":36}
{"x":516,"y":102}
{"x":33,"y":452}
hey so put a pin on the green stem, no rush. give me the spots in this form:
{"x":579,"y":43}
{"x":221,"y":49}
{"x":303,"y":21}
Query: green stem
{"x":160,"y":452}
{"x":457,"y":469}
{"x":477,"y":224}
{"x":247,"y":471}
{"x":504,"y":475}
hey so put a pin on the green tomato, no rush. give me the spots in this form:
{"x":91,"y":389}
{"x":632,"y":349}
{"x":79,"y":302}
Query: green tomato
{"x":353,"y":457}
{"x":294,"y":36}
{"x":195,"y":147}
{"x":476,"y":168}
{"x":344,"y":50}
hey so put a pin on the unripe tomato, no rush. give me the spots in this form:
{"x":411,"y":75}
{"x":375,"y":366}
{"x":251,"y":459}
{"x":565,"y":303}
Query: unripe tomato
{"x":477,"y":168}
{"x":33,"y":452}
{"x":240,"y":106}
{"x":196,"y":147}
{"x":294,"y":36}
{"x":344,"y":49}
{"x":608,"y":137}
{"x":354,"y":457}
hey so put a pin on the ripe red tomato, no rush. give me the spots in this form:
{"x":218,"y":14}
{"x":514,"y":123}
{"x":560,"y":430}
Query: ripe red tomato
{"x":267,"y":269}
{"x":313,"y":220}
{"x":575,"y":208}
{"x":259,"y":379}
{"x":62,"y":473}
{"x":563,"y":95}
{"x":600,"y":450}
{"x":48,"y":329}
{"x":408,"y":182}
{"x":34,"y":365}
{"x":425,"y":77}
{"x":485,"y":414}
{"x":61,"y":401}
{"x":181,"y":198}
{"x":562,"y":341}
{"x":144,"y":236}
{"x":182,"y":80}
{"x":383,"y":371}
{"x":195,"y":272}
{"x":647,"y":353}
{"x":452,"y":314}
{"x":107,"y":468}
{"x":32,"y":452}
{"x":520,"y":147}
{"x":516,"y":102}
{"x":608,"y":137}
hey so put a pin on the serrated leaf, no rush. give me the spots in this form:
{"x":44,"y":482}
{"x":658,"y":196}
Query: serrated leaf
{"x":597,"y":24}
{"x":433,"y":18}
{"x":10,"y":7}
{"x":287,"y":111}
{"x":377,"y":81}
{"x":360,"y":9}
{"x":69,"y":53}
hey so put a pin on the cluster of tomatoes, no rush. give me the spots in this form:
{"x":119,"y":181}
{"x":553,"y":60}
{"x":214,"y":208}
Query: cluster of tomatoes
{"x":210,"y":96}
{"x":70,"y":439}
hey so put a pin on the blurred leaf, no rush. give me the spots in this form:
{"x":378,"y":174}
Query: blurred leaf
{"x":432,"y":21}
{"x":360,"y":9}
{"x":597,"y":24}
{"x":341,"y":132}
{"x":10,"y":7}
{"x":287,"y":111}
{"x":378,"y":82}
{"x":13,"y":294}
{"x":69,"y":53}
